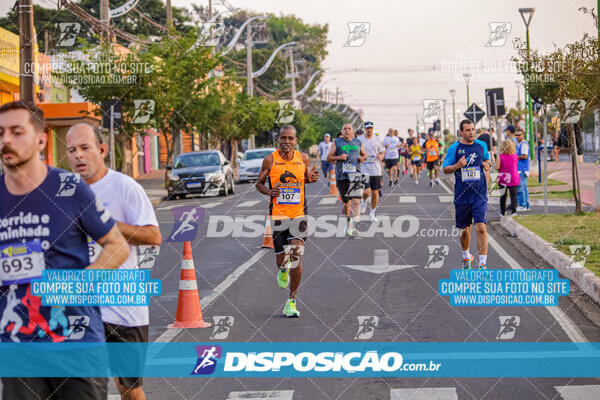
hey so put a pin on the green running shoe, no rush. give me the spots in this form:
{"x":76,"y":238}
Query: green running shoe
{"x":290,"y":309}
{"x":467,"y":262}
{"x":283,"y":278}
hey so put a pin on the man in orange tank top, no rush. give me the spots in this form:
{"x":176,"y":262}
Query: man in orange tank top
{"x":287,"y":171}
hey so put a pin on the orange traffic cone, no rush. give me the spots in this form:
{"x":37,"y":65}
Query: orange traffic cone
{"x":189,"y":312}
{"x":268,"y":240}
{"x":332,"y":187}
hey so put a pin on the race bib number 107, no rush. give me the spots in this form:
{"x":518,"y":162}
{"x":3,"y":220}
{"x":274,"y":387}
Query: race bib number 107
{"x":20,"y":263}
{"x":289,"y":196}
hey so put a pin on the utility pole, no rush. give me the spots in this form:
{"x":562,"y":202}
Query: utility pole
{"x":292,"y":73}
{"x":104,"y":14}
{"x":453,"y":93}
{"x":26,"y":40}
{"x":250,"y":83}
{"x":444,"y":126}
{"x":169,"y":14}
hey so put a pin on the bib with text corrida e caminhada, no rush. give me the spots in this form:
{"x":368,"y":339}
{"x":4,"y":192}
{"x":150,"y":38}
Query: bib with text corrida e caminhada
{"x":289,"y":177}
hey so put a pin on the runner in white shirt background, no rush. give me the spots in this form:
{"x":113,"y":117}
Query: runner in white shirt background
{"x":372,"y":167}
{"x":391,"y":144}
{"x":324,"y":148}
{"x":131,"y":209}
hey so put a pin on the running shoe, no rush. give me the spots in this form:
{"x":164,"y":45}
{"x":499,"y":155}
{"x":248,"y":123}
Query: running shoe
{"x":290,"y":309}
{"x":283,"y":277}
{"x":437,"y":182}
{"x":430,"y":184}
{"x":372,"y":217}
{"x":363,"y":206}
{"x":482,"y":266}
{"x":467,"y":263}
{"x":417,"y":181}
{"x":391,"y":183}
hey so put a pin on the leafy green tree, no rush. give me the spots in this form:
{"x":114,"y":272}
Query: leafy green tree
{"x":571,"y":72}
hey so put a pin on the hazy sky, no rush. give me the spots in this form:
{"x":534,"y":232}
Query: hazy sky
{"x":416,"y":35}
{"x":408,"y":39}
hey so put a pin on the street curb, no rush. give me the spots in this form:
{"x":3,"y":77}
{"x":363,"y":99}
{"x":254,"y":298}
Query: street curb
{"x":586,"y":280}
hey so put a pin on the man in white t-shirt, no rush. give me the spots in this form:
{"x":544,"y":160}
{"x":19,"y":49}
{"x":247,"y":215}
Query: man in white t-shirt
{"x":392,"y":154}
{"x":371,"y":167}
{"x":130,"y":207}
{"x":324,"y":148}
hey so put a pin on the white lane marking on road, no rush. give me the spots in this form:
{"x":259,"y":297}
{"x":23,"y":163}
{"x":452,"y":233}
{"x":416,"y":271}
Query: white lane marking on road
{"x":170,"y":334}
{"x":408,"y":199}
{"x":266,"y":394}
{"x":249,"y":203}
{"x":559,"y":315}
{"x":206,"y":205}
{"x":441,"y":393}
{"x":446,"y":199}
{"x":211,"y":205}
{"x":579,"y":392}
{"x":328,"y":200}
{"x":114,"y":397}
{"x":381,"y":263}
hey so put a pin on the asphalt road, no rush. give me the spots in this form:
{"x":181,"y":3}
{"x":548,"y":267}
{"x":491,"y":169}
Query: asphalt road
{"x":332,"y":296}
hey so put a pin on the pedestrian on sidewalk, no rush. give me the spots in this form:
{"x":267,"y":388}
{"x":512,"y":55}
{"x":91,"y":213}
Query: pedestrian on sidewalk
{"x":523,"y":167}
{"x":508,"y":175}
{"x":510,"y":133}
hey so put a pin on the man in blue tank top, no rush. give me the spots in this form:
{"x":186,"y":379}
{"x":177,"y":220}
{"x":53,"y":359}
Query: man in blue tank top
{"x":468,"y":159}
{"x":348,"y":153}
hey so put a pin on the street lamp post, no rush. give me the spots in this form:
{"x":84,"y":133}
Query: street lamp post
{"x":518,"y":83}
{"x":526,"y":15}
{"x":453,"y":93}
{"x":467,"y":77}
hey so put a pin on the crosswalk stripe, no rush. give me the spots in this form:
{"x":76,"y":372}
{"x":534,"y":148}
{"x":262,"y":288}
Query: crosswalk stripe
{"x":249,"y":203}
{"x":579,"y":392}
{"x":328,"y":200}
{"x":446,"y":199}
{"x":207,"y":205}
{"x":211,"y":205}
{"x":442,"y":393}
{"x":263,"y":394}
{"x":408,"y":199}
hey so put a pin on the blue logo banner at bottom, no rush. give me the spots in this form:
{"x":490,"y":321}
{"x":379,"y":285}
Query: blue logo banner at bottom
{"x":300,"y":359}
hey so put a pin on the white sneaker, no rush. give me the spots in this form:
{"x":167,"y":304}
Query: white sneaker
{"x":437,"y":181}
{"x":417,"y":181}
{"x":372,"y":217}
{"x":522,"y":209}
{"x":363,"y":206}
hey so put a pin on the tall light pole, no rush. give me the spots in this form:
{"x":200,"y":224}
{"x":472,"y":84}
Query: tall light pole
{"x":467,"y":77}
{"x":518,"y":83}
{"x":453,"y":93}
{"x":526,"y":15}
{"x":26,"y":60}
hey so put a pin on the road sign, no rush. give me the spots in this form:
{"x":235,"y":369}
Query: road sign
{"x":111,"y":108}
{"x":474,"y":113}
{"x":498,"y":95}
{"x":436,"y":125}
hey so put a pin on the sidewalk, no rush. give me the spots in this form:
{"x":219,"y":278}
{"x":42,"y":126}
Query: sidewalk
{"x":589,"y":174}
{"x":154,"y":185}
